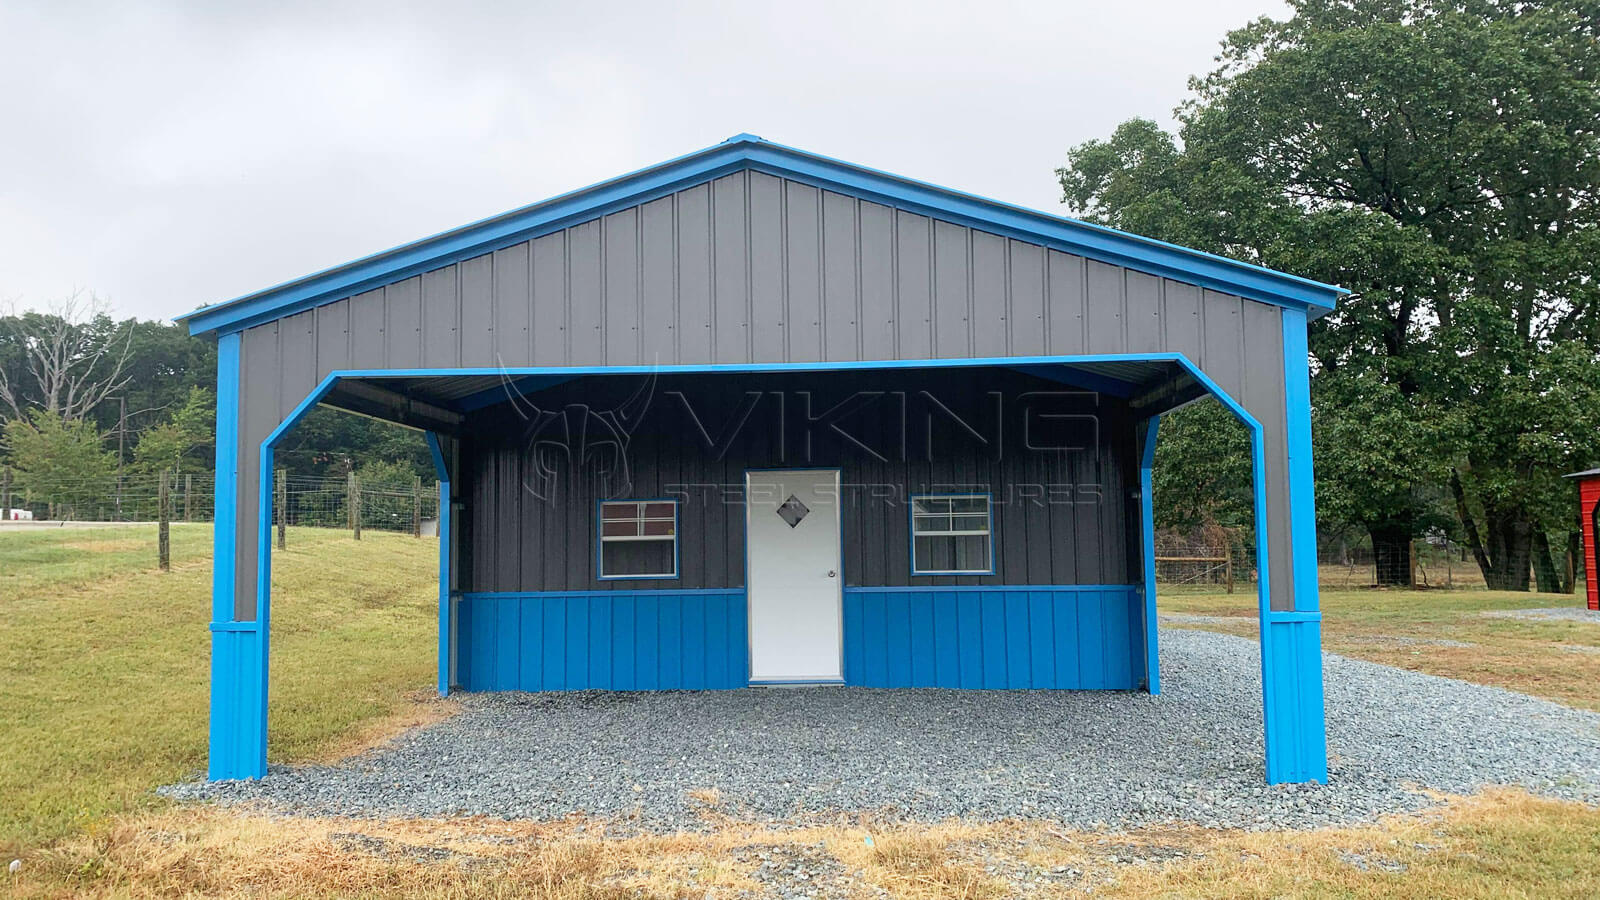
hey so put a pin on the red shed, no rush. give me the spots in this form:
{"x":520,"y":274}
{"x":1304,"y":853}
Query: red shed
{"x":1589,"y":519}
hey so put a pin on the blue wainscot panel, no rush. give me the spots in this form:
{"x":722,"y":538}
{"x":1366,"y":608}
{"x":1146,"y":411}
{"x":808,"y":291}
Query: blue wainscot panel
{"x":608,"y":640}
{"x":1071,"y":637}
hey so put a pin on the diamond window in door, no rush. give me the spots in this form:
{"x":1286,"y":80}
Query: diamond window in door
{"x":792,"y":510}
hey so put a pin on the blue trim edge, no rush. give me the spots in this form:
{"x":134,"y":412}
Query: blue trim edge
{"x":1147,"y":528}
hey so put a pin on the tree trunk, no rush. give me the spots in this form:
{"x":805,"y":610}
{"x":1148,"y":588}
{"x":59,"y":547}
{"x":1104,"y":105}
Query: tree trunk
{"x":1391,"y":554}
{"x":1502,"y":548}
{"x":1544,"y":565}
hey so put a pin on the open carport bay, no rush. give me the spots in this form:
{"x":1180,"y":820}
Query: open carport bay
{"x":1084,"y":759}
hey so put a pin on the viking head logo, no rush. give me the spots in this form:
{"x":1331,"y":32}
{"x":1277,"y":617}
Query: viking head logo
{"x":579,"y":441}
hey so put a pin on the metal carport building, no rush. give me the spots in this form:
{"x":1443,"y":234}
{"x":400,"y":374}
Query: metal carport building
{"x":759,"y":416}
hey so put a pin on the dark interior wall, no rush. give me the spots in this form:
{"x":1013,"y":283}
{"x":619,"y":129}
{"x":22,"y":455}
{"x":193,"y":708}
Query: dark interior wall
{"x":1058,"y":461}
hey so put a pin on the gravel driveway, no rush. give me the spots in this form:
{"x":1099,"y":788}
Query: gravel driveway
{"x":1194,"y":754}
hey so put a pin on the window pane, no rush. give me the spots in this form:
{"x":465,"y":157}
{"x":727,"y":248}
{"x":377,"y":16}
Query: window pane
{"x":930,"y":505}
{"x":932,"y":523}
{"x":619,"y":529}
{"x":637,"y":558}
{"x":971,"y":523}
{"x":933,"y":554}
{"x":971,"y":552}
{"x":658,"y":510}
{"x":619,"y":510}
{"x":969,"y":504}
{"x":664,"y":527}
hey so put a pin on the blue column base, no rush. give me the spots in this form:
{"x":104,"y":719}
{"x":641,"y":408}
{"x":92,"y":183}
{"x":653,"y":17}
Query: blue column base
{"x":1291,"y":686}
{"x":238,"y":701}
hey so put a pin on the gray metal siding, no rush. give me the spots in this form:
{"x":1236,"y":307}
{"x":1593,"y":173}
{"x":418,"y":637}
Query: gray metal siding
{"x":753,"y":268}
{"x":518,"y":536}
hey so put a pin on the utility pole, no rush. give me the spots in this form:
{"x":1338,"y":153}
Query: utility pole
{"x":283,"y":508}
{"x":163,"y":539}
{"x":122,"y":439}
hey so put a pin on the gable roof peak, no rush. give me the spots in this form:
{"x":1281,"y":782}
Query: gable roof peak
{"x":748,"y":151}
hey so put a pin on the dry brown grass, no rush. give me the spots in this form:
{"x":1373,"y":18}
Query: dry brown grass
{"x":1557,"y":660}
{"x":1503,"y":843}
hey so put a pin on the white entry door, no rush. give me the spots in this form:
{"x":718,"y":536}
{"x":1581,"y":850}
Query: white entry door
{"x":792,"y":534}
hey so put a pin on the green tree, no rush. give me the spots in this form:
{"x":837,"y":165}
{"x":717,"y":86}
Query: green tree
{"x":60,"y":461}
{"x":1441,"y":160}
{"x":184,"y":442}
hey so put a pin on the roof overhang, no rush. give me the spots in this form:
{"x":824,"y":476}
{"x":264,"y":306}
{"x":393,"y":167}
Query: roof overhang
{"x":747,"y":151}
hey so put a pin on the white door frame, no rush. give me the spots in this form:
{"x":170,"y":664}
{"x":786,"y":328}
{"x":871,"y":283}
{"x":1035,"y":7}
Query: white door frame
{"x":838,"y":580}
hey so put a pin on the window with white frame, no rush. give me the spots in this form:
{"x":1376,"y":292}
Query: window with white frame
{"x":638,"y":539}
{"x":951,"y":535}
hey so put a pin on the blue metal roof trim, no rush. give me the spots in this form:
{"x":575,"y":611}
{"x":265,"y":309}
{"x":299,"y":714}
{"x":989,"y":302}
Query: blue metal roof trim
{"x":747,"y":151}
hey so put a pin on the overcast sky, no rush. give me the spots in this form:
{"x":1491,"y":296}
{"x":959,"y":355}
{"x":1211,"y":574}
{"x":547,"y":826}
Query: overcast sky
{"x":166,"y":155}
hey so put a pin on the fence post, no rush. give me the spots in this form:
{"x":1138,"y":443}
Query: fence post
{"x":1228,"y":551}
{"x":1413,"y":563}
{"x":282,"y":490}
{"x":416,"y":506}
{"x":163,"y":543}
{"x":355,"y":505}
{"x":5,"y":493}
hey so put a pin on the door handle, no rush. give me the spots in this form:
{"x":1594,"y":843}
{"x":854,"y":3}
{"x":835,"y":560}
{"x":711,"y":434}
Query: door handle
{"x":832,"y":573}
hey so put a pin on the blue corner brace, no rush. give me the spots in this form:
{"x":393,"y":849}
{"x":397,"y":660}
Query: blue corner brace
{"x":238,"y":649}
{"x":1291,"y":641}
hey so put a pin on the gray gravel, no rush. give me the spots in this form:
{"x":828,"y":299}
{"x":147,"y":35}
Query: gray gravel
{"x":1554,"y":613}
{"x":1086,"y":759}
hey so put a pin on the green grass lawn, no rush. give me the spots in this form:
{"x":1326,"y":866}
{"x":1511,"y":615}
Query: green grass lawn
{"x":104,"y":661}
{"x":103,"y":697}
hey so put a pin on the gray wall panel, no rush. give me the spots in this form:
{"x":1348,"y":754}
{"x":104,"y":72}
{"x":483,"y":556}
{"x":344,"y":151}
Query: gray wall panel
{"x":622,"y":273}
{"x":730,"y":263}
{"x":658,"y":339}
{"x":585,"y":294}
{"x":1038,"y":538}
{"x":802,"y":262}
{"x":694,"y":274}
{"x":550,"y":302}
{"x":513,"y":307}
{"x":878,"y":319}
{"x":1143,"y":322}
{"x":1065,"y":282}
{"x":441,"y":315}
{"x":367,"y":326}
{"x":914,"y":285}
{"x":767,"y":288}
{"x":1025,"y":283}
{"x":475,"y":279}
{"x":403,"y":300}
{"x":952,"y":295}
{"x":1107,"y":313}
{"x":990,"y":301}
{"x":841,"y":300}
{"x":755,"y":268}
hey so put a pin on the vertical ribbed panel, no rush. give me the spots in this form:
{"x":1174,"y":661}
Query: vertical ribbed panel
{"x":238,"y":738}
{"x":1292,"y":698}
{"x":603,"y":640}
{"x":1067,"y":637}
{"x":753,"y":268}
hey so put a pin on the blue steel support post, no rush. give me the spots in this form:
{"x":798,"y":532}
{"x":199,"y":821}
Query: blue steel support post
{"x":1147,"y":520}
{"x":442,"y":467}
{"x":238,"y":737}
{"x":1291,"y":641}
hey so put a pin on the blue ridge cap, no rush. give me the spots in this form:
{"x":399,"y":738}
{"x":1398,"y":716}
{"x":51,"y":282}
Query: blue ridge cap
{"x":748,"y":151}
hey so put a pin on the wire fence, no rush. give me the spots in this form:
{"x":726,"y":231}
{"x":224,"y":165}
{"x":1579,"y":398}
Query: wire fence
{"x":299,"y":500}
{"x":1216,"y":561}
